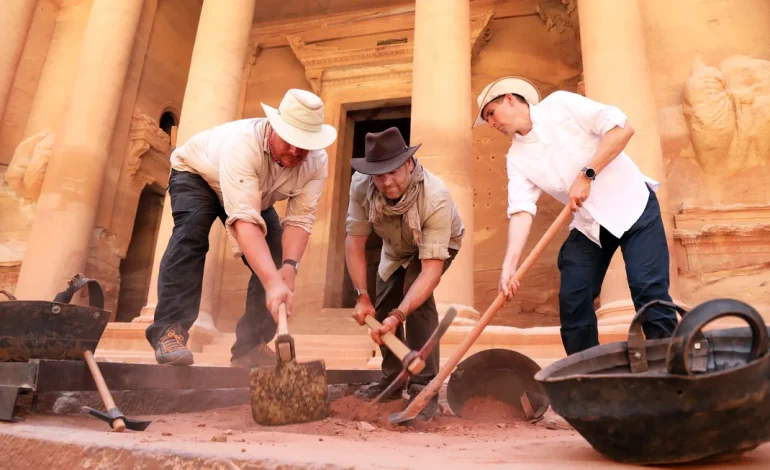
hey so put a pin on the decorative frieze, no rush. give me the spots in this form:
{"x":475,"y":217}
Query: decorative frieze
{"x":332,"y":66}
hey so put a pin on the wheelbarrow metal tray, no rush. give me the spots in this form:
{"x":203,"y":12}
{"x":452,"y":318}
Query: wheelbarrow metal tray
{"x":48,"y":330}
{"x":720,"y":408}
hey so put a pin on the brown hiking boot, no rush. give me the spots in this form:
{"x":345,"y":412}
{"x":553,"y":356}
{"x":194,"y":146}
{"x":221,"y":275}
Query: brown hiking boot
{"x":171,"y":349}
{"x":260,"y":355}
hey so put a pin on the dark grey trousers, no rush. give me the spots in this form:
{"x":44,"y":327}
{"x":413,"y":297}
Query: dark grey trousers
{"x":420,"y":324}
{"x":195,"y":206}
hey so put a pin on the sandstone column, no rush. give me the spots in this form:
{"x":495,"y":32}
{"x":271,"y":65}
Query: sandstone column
{"x":61,"y":233}
{"x":617,"y":72}
{"x":441,"y":110}
{"x":15,"y":20}
{"x":211,"y":98}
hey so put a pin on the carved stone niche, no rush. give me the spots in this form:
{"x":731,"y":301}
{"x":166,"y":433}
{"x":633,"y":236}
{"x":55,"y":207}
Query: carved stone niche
{"x":725,"y":252}
{"x":331,"y":66}
{"x":145,"y":162}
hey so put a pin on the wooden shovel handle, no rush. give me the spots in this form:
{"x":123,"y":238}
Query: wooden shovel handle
{"x":283,"y":320}
{"x":427,"y":393}
{"x":396,"y":345}
{"x":118,"y":425}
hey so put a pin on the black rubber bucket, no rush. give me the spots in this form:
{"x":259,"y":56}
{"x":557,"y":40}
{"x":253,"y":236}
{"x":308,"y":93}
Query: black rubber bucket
{"x":31,"y":329}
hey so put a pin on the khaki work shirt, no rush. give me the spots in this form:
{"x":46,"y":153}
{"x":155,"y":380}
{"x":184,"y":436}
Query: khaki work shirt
{"x":442,"y":227}
{"x":234,"y":159}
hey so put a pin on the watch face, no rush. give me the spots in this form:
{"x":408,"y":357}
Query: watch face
{"x":590,"y":172}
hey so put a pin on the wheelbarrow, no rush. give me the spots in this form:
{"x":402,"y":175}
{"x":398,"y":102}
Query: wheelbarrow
{"x":695,"y":397}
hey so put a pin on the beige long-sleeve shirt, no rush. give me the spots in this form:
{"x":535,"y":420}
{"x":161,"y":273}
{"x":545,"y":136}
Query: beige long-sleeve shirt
{"x":440,"y":221}
{"x":234,"y":159}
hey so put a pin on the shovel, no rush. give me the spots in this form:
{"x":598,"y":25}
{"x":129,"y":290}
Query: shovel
{"x":422,"y":399}
{"x":291,"y":392}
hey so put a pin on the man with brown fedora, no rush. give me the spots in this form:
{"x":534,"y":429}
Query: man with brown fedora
{"x":236,"y":172}
{"x":421,"y":230}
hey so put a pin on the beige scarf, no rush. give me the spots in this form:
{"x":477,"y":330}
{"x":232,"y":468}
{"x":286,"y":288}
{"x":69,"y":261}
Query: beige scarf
{"x":405,"y":207}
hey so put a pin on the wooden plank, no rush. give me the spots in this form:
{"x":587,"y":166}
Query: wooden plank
{"x":369,"y":22}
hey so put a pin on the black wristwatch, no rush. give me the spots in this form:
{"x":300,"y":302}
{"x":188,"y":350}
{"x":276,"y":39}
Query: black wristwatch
{"x":589,"y":172}
{"x":292,"y":263}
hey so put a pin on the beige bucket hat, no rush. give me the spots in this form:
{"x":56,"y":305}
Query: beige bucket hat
{"x":299,"y":120}
{"x":501,"y":86}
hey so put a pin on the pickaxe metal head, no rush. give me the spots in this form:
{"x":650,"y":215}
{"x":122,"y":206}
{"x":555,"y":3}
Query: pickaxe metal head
{"x":114,"y":414}
{"x":422,"y":354}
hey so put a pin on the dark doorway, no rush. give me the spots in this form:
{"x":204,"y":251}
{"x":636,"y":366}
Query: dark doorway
{"x":371,"y":121}
{"x":136,"y":267}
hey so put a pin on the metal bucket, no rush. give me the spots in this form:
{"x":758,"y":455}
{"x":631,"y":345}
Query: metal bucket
{"x":31,"y":329}
{"x":500,"y":374}
{"x":693,"y":397}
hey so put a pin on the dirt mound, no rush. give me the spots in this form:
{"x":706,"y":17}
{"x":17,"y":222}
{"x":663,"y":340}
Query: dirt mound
{"x":491,"y":410}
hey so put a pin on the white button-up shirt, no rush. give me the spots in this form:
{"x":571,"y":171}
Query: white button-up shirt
{"x":565,"y":136}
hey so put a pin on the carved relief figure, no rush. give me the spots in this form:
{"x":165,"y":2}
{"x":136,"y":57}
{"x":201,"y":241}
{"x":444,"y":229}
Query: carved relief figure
{"x":727,"y":110}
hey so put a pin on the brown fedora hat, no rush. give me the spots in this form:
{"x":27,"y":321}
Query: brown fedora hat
{"x":385,"y":151}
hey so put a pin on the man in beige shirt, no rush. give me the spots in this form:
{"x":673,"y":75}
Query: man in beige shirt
{"x":421,"y":230}
{"x":236,"y":172}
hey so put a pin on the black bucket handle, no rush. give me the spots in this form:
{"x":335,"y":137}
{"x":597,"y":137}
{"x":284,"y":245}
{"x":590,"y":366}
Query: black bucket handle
{"x":677,"y":359}
{"x":95,"y":294}
{"x":8,"y":294}
{"x":637,"y":348}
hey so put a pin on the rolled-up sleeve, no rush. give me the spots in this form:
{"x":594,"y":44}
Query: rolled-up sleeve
{"x":357,"y":221}
{"x":240,"y":185}
{"x":301,"y":209}
{"x":437,"y":230}
{"x":590,"y":115}
{"x":522,"y":193}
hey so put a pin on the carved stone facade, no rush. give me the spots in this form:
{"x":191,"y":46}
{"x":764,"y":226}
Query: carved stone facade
{"x":331,"y":66}
{"x":146,"y":162}
{"x":719,"y":145}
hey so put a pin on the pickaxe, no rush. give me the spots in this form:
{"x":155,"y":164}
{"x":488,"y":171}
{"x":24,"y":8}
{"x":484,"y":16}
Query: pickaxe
{"x":413,"y":361}
{"x":118,"y":421}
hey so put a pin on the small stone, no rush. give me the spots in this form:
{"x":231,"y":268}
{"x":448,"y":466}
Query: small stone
{"x":202,"y":425}
{"x":219,"y":438}
{"x":364,"y":426}
{"x":166,"y":433}
{"x":229,"y":432}
{"x":243,"y":450}
{"x":320,"y":439}
{"x":501,"y":425}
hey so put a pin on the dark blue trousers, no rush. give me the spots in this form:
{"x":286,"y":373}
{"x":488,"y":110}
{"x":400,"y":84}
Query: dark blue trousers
{"x":583,"y":264}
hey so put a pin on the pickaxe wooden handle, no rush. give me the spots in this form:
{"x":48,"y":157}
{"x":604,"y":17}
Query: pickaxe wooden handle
{"x":414,"y":363}
{"x":422,"y":399}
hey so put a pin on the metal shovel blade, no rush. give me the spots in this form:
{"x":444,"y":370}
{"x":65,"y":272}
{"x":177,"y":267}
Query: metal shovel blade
{"x":290,"y":392}
{"x":114,"y":413}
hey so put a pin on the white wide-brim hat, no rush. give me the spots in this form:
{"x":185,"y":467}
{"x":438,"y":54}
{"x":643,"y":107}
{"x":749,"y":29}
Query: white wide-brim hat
{"x":299,"y":120}
{"x":502,"y":86}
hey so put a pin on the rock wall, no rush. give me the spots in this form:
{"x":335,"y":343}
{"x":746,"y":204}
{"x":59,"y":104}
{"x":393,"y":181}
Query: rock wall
{"x":712,"y":89}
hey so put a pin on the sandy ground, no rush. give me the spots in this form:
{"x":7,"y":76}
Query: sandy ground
{"x":341,"y":441}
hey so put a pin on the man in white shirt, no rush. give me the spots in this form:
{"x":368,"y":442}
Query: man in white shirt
{"x":236,"y":172}
{"x":572,"y":148}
